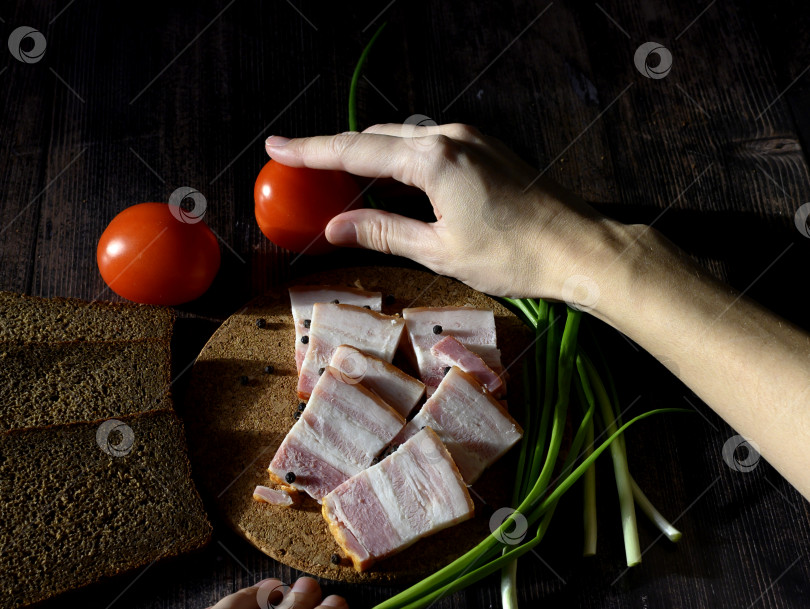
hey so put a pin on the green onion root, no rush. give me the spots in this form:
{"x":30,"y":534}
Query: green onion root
{"x":653,"y":514}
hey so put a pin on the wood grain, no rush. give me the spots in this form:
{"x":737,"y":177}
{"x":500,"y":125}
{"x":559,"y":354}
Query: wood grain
{"x":223,"y":83}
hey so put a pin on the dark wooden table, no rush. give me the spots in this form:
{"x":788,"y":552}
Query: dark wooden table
{"x":133,"y":100}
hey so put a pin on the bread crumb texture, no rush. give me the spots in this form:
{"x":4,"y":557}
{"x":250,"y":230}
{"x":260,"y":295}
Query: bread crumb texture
{"x":74,"y":510}
{"x":35,"y":319}
{"x":51,"y":383}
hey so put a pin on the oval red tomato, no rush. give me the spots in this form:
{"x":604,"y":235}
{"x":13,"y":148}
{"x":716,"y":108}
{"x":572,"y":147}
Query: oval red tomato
{"x":148,"y":255}
{"x":294,"y":204}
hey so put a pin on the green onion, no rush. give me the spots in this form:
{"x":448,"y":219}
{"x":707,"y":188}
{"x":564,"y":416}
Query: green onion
{"x":466,"y":569}
{"x":353,"y":124}
{"x":358,"y":69}
{"x":620,"y":470}
{"x":557,"y":356}
{"x":589,"y":479}
{"x":649,"y":509}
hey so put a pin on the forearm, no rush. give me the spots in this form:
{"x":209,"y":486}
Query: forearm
{"x":749,"y":365}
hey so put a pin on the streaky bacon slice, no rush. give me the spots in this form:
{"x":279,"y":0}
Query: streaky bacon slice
{"x":399,"y":390}
{"x":473,"y":328}
{"x":450,"y":352}
{"x":342,"y":429}
{"x":409,"y":495}
{"x":337,"y":324}
{"x":302,"y":297}
{"x":273,"y":496}
{"x":474,"y":426}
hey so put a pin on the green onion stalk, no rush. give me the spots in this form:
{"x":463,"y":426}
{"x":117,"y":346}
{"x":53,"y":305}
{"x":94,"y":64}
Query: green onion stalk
{"x":557,"y":363}
{"x":358,"y":70}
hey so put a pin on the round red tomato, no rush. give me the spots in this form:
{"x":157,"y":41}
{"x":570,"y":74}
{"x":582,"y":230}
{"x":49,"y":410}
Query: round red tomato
{"x":294,"y":204}
{"x":150,"y":255}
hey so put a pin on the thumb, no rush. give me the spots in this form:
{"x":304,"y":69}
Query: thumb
{"x":385,"y":232}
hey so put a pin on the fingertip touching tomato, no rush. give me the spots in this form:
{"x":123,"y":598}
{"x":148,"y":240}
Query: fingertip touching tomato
{"x":294,"y":204}
{"x":153,"y":254}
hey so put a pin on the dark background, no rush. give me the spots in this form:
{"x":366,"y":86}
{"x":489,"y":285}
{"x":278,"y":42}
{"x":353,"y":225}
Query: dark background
{"x":133,"y":100}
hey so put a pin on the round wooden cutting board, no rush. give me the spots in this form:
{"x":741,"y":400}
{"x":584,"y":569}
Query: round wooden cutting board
{"x":234,"y":429}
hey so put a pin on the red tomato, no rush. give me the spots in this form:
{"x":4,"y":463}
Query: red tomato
{"x":294,"y":204}
{"x":148,"y":255}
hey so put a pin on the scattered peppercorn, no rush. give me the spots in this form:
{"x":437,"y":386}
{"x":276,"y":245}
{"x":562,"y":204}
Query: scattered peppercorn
{"x":269,"y":369}
{"x":261,"y":323}
{"x":290,"y":477}
{"x":335,"y":559}
{"x":301,"y":406}
{"x":421,"y":428}
{"x":305,"y":339}
{"x":297,"y":415}
{"x":335,"y":301}
{"x":446,"y":370}
{"x":244,"y":380}
{"x":389,"y":299}
{"x":437,"y":329}
{"x":307,"y":323}
{"x":321,"y":371}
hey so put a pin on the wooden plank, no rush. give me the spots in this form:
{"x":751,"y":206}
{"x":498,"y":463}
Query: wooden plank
{"x":25,"y":123}
{"x":202,"y":123}
{"x":708,"y":145}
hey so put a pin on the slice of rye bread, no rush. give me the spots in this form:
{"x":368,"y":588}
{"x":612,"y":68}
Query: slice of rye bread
{"x":35,"y":319}
{"x":54,"y":383}
{"x":72,"y":513}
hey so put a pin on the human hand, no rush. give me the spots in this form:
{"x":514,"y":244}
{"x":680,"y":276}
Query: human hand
{"x":272,"y":593}
{"x":499,"y":228}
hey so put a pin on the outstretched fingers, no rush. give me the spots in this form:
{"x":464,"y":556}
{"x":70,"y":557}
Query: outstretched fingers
{"x":363,"y":154}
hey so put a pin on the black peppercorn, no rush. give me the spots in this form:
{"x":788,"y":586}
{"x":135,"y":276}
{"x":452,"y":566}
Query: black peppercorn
{"x":290,"y":477}
{"x":261,"y":323}
{"x":301,"y":406}
{"x":335,"y":301}
{"x":321,"y":371}
{"x":244,"y":380}
{"x":307,"y":323}
{"x":446,"y":370}
{"x":437,"y":329}
{"x":305,"y":339}
{"x":297,"y":415}
{"x":366,"y":307}
{"x":335,"y":559}
{"x":269,"y":369}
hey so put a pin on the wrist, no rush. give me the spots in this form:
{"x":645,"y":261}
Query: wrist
{"x":604,"y":259}
{"x":638,"y":272}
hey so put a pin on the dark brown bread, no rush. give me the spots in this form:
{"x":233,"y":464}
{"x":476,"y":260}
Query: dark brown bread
{"x":72,"y":512}
{"x":34,"y":319}
{"x":53,"y":383}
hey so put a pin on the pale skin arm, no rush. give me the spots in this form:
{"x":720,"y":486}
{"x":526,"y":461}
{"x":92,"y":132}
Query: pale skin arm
{"x":500,"y":237}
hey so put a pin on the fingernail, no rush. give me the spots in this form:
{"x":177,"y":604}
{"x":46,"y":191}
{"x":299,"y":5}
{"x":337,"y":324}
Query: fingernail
{"x":333,"y":601}
{"x":262,"y":581}
{"x":341,"y":233}
{"x":305,"y":585}
{"x":275,"y":141}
